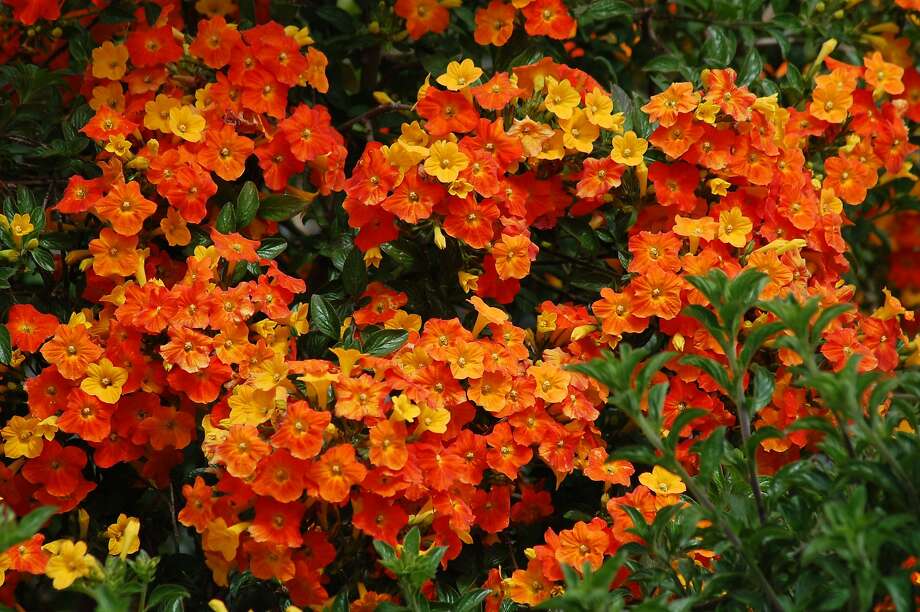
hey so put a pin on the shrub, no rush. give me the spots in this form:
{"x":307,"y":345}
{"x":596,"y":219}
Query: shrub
{"x":422,"y":305}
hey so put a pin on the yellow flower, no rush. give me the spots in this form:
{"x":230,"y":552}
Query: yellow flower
{"x":628,"y":149}
{"x":718,"y":186}
{"x":118,"y":145}
{"x":347,"y":359}
{"x":734,"y":227}
{"x":579,"y":132}
{"x":20,"y":438}
{"x":599,"y":109}
{"x":434,"y":420}
{"x":300,"y":35}
{"x":663,"y":482}
{"x":156,"y":115}
{"x":110,"y":61}
{"x":561,"y":97}
{"x":110,"y":95}
{"x":373,"y":257}
{"x":707,"y":112}
{"x":123,"y":536}
{"x":445,"y":161}
{"x":68,"y":562}
{"x":21,"y":225}
{"x":460,"y":75}
{"x":468,"y":281}
{"x":104,"y":380}
{"x":218,"y":537}
{"x":186,"y":123}
{"x":404,"y":409}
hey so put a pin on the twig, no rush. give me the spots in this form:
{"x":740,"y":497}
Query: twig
{"x":377,"y":110}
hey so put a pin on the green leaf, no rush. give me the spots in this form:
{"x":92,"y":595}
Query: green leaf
{"x":602,"y":10}
{"x":715,"y":369}
{"x":751,"y":67}
{"x":764,"y":384}
{"x":385,"y":341}
{"x":281,"y":207}
{"x":6,"y":347}
{"x":711,"y":451}
{"x":43,"y":258}
{"x":247,"y":205}
{"x":719,"y":48}
{"x":166,"y":595}
{"x":226,"y":219}
{"x":665,"y":63}
{"x":324,"y":318}
{"x":271,"y":247}
{"x":354,"y":273}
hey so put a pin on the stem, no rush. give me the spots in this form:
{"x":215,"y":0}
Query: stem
{"x":142,"y":600}
{"x":377,"y":110}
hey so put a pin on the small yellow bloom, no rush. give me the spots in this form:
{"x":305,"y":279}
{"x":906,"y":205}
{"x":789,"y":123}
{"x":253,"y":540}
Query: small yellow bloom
{"x":118,"y":145}
{"x":21,"y":225}
{"x":68,"y":562}
{"x":220,"y":538}
{"x":110,"y":61}
{"x":460,"y":75}
{"x":663,"y":482}
{"x":20,"y":438}
{"x":628,"y":149}
{"x":404,"y":409}
{"x":104,"y":380}
{"x":579,"y":132}
{"x":446,"y":161}
{"x":707,"y":112}
{"x":110,"y":95}
{"x":734,"y":227}
{"x":123,"y":536}
{"x":599,"y":109}
{"x":561,"y":98}
{"x":719,"y":186}
{"x":467,"y":281}
{"x":373,"y":257}
{"x":156,"y":111}
{"x":300,"y":35}
{"x":347,"y":359}
{"x":434,"y":420}
{"x":186,"y":123}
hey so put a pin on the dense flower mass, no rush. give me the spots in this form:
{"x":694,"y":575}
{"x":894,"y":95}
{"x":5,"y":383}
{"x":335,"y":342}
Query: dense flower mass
{"x":236,"y":333}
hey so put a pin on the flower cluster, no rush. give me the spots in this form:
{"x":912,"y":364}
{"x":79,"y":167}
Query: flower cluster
{"x":495,"y":23}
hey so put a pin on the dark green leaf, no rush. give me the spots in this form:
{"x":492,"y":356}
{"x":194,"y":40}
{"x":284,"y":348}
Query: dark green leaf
{"x":281,"y":207}
{"x":226,"y":219}
{"x":324,"y":318}
{"x":751,"y":67}
{"x":271,"y":247}
{"x":385,"y":341}
{"x":764,"y":383}
{"x":354,"y":273}
{"x":247,"y":205}
{"x":6,"y":349}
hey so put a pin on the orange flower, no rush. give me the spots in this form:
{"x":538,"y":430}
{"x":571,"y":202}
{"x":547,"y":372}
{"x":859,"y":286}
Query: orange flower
{"x":513,"y":255}
{"x":215,"y":42}
{"x":233,"y":247}
{"x":654,"y":251}
{"x":224,"y":152}
{"x":71,"y":350}
{"x":241,"y":450}
{"x":125,"y":208}
{"x":657,"y":294}
{"x":494,"y":24}
{"x":422,"y":16}
{"x":665,"y":107}
{"x":552,"y":382}
{"x":28,"y":327}
{"x":388,"y":445}
{"x":884,"y":77}
{"x":280,"y":476}
{"x":86,"y":417}
{"x":301,"y":431}
{"x":598,"y":176}
{"x":114,"y":254}
{"x":615,"y":311}
{"x":336,"y":472}
{"x":528,"y":587}
{"x":471,"y":221}
{"x":188,"y":349}
{"x":308,"y":133}
{"x":584,"y":543}
{"x":357,"y":398}
{"x":465,"y":360}
{"x":611,"y":472}
{"x":277,"y":522}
